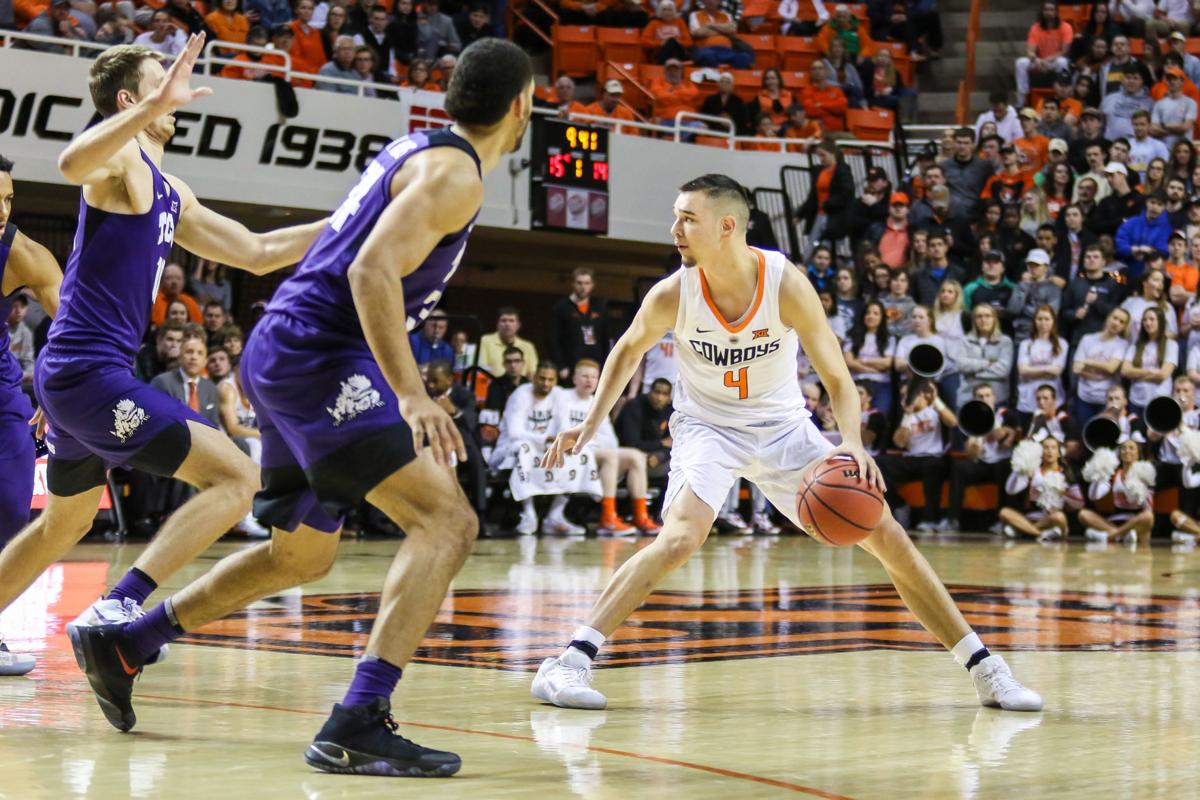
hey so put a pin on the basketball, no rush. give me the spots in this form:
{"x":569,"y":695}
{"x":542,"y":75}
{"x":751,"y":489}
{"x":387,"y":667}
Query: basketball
{"x":836,"y":505}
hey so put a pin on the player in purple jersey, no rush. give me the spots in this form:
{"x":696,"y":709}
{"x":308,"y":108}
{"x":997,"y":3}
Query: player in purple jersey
{"x":24,"y":264}
{"x":99,"y":414}
{"x":344,"y":415}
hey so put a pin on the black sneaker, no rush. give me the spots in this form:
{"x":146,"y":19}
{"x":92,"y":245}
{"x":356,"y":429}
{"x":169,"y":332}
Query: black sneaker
{"x":107,"y":656}
{"x":362,"y":740}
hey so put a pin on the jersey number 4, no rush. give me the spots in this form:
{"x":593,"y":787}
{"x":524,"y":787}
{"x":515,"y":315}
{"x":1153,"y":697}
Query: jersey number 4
{"x":741,"y":382}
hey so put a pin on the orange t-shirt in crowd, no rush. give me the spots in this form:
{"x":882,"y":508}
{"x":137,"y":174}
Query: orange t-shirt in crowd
{"x":1185,"y":275}
{"x":824,"y":181}
{"x":308,"y":53}
{"x":620,"y":112}
{"x":826,"y":106}
{"x":1049,"y":44}
{"x":765,"y":147}
{"x":228,"y":28}
{"x":241,"y":73}
{"x":765,"y":102}
{"x":671,"y":98}
{"x":811,"y":130}
{"x":702,"y":18}
{"x":159,"y":312}
{"x":1036,"y":150}
{"x":1067,"y":108}
{"x":659,"y":31}
{"x":1006,"y":188}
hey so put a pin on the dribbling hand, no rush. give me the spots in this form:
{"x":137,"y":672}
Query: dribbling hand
{"x":569,"y":442}
{"x":433,"y":426}
{"x":175,"y":90}
{"x":867,"y":467}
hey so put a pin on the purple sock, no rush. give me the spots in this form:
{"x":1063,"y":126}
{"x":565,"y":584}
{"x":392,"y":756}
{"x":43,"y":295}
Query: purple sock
{"x":136,"y":585}
{"x":152,"y":631}
{"x":373,"y":678}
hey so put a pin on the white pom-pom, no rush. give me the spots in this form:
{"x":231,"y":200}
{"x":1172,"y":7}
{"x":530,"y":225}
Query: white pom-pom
{"x":1189,"y":446}
{"x":1101,"y":466}
{"x":1054,"y":484}
{"x":1138,"y":482}
{"x":1026,"y":457}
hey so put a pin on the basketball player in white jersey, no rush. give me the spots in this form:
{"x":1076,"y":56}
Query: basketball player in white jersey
{"x":739,"y":315}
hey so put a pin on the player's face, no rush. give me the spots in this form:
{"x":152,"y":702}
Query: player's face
{"x":586,"y":379}
{"x":660,"y":397}
{"x":218,"y":365}
{"x":6,"y":199}
{"x":544,"y":382}
{"x":437,"y":382}
{"x":526,"y":113}
{"x":692,"y":231}
{"x":193,"y":357}
{"x":162,"y":129}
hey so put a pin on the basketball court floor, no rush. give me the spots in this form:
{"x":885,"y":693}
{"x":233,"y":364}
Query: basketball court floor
{"x":764,"y":668}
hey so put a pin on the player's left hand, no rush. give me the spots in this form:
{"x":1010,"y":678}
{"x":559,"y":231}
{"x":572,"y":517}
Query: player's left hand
{"x":867,"y":467}
{"x":38,"y":421}
{"x":175,"y":89}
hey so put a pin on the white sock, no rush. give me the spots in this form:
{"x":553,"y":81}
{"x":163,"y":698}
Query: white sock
{"x":968,"y":646}
{"x":527,"y":506}
{"x":574,"y":657}
{"x":557,"y":506}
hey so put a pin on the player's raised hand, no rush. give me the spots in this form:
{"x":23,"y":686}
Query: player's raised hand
{"x":176,"y":89}
{"x":433,"y":426}
{"x":569,"y":442}
{"x":867,"y":467}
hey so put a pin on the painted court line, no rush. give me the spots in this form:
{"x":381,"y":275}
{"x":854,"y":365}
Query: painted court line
{"x":725,"y":773}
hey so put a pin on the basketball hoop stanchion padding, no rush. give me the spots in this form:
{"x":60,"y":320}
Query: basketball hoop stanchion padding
{"x":837,"y":506}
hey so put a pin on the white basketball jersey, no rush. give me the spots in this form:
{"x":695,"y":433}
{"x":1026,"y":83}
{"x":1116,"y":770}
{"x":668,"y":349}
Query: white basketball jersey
{"x":740,"y":373}
{"x":661,"y":363}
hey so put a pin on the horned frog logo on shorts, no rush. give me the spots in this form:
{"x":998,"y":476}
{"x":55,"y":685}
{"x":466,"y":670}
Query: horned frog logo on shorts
{"x":356,"y":396}
{"x":127,"y":418}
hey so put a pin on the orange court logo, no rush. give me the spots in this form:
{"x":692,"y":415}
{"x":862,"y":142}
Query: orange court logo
{"x":516,"y":629}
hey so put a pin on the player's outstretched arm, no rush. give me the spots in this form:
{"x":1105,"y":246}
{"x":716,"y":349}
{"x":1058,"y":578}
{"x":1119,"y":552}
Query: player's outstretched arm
{"x":36,"y":269}
{"x":653,"y":319}
{"x":434,"y":194}
{"x":800,"y":308}
{"x":214,"y":236}
{"x":104,"y":151}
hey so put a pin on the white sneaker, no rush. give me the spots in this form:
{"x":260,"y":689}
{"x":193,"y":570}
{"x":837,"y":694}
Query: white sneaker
{"x":1010,"y":531}
{"x":528,"y":524}
{"x":996,"y":687}
{"x":566,"y":687}
{"x":1182,"y":537}
{"x":106,"y":611}
{"x":762,"y":523}
{"x":948,"y":525}
{"x":734,"y":522}
{"x":1095,"y":535}
{"x":1051,"y":535}
{"x":1129,"y":538}
{"x":561,"y":526}
{"x":249,"y":526}
{"x":15,"y":663}
{"x":927,"y":527}
{"x":997,"y":528}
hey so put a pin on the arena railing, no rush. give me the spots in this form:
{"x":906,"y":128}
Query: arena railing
{"x":13,"y":38}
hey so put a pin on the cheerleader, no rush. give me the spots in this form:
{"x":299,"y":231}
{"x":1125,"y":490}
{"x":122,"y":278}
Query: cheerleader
{"x":1186,"y":530}
{"x":1040,"y":473}
{"x":1129,"y":479}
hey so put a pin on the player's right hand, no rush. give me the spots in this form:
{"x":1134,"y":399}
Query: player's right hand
{"x":569,"y":442}
{"x":175,"y":90}
{"x":432,"y":426}
{"x":38,"y":421}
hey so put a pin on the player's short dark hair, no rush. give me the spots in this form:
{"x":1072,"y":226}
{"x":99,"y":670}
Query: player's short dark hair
{"x":5,"y":165}
{"x":167,"y":327}
{"x":115,"y":69}
{"x":719,"y":187}
{"x":654,"y":384}
{"x":546,"y":363}
{"x":489,"y":75}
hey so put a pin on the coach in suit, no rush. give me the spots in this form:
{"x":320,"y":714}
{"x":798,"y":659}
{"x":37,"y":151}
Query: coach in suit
{"x":187,"y":385}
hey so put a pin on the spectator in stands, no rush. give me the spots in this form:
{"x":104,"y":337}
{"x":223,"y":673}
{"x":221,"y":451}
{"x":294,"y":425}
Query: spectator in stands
{"x":773,"y":101}
{"x":1011,"y":182}
{"x":1174,"y":116}
{"x":871,"y":206}
{"x":163,"y":37}
{"x":891,"y":236}
{"x":401,"y":31}
{"x":436,"y":34}
{"x":1143,"y":148}
{"x":56,"y":20}
{"x":1002,"y":115}
{"x":583,"y":12}
{"x":1119,"y":107}
{"x":713,"y":31}
{"x":377,"y":35}
{"x":492,"y":346}
{"x":155,"y":359}
{"x":1051,"y":123}
{"x":846,"y":296}
{"x":610,"y":105}
{"x":643,"y":423}
{"x":1041,"y":360}
{"x":845,"y":25}
{"x":1183,"y":269}
{"x":459,"y":403}
{"x":237,"y":416}
{"x":171,"y":289}
{"x":364,"y":67}
{"x":429,"y":343}
{"x":258,"y":38}
{"x":1100,"y":26}
{"x":504,"y":384}
{"x":1089,"y":298}
{"x":991,"y":288}
{"x":1090,"y":134}
{"x":919,"y":437}
{"x":1152,"y":295}
{"x":728,"y":105}
{"x":1122,"y":203}
{"x":1144,"y":234}
{"x":1031,"y":146}
{"x":215,"y":318}
{"x":113,"y":28}
{"x":445,"y":67}
{"x":869,"y":350}
{"x":843,"y":71}
{"x":342,"y":66}
{"x":826,"y":207}
{"x":187,"y":384}
{"x":229,"y":24}
{"x":626,"y":14}
{"x":20,"y":342}
{"x":929,"y":279}
{"x":580,"y":324}
{"x":1058,"y":183}
{"x":337,"y":23}
{"x":187,"y":18}
{"x":1045,"y":49}
{"x":820,"y":269}
{"x":965,"y":174}
{"x":1177,"y":44}
{"x":1155,"y":20}
{"x":898,"y":304}
{"x":475,"y":25}
{"x":667,"y":36}
{"x":1036,"y":290}
{"x":885,"y":88}
{"x":986,"y":356}
{"x":270,"y":13}
{"x":1150,"y":361}
{"x":824,"y":101}
{"x":925,"y":332}
{"x":1120,"y":63}
{"x":418,"y":76}
{"x":988,"y":457}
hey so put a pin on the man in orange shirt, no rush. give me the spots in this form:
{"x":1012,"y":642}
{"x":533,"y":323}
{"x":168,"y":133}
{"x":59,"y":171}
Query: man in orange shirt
{"x":308,"y":53}
{"x":824,"y":102}
{"x":673,"y":94}
{"x":609,"y":105}
{"x":713,"y":31}
{"x":1045,"y":48}
{"x":1033,"y":147}
{"x":667,"y":36}
{"x":1184,"y":275}
{"x":170,"y":289}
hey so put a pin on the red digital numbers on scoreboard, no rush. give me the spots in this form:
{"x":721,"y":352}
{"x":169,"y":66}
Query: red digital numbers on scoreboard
{"x":558,"y":164}
{"x":600,"y":171}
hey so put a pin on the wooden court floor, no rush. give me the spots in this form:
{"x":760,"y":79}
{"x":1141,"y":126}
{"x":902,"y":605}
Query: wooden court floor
{"x":764,"y":668}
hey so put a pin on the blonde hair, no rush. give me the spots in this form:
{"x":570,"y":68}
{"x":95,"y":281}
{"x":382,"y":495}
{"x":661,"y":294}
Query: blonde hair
{"x":957,"y":308}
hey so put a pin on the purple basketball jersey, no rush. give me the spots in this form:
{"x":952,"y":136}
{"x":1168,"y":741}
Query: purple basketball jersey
{"x":13,"y":400}
{"x":318,"y":294}
{"x":111,"y":279}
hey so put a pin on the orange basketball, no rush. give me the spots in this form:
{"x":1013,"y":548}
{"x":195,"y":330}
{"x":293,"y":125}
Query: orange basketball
{"x":836,"y":505}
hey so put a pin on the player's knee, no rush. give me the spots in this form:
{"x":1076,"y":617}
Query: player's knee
{"x":679,"y":547}
{"x":301,"y":566}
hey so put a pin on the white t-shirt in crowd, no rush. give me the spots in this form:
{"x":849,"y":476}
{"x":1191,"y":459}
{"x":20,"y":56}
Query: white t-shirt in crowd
{"x":926,"y":427}
{"x":870,"y":349}
{"x":1136,"y":306}
{"x":1142,"y":392}
{"x":1039,"y":353}
{"x":1092,"y":346}
{"x":661,"y":363}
